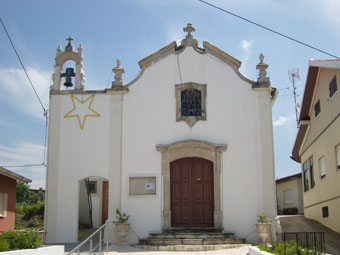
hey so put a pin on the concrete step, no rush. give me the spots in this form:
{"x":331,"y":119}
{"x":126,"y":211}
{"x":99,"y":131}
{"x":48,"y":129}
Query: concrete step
{"x":187,"y":241}
{"x":190,"y":247}
{"x":202,"y":235}
{"x":193,"y":230}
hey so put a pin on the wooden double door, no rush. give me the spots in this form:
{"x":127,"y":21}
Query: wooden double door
{"x":192,"y":193}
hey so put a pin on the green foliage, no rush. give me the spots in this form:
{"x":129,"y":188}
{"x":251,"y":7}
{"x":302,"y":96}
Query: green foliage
{"x":20,"y":240}
{"x":290,"y":211}
{"x":23,"y":193}
{"x":262,"y":218}
{"x":26,"y":196}
{"x":291,"y":249}
{"x":4,"y":246}
{"x":33,"y":209}
{"x":121,"y":218}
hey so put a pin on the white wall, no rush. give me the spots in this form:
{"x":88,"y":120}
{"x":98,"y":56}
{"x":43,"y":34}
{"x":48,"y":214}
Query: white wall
{"x":150,"y":119}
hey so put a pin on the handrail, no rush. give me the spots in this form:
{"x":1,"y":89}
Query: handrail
{"x":77,"y":248}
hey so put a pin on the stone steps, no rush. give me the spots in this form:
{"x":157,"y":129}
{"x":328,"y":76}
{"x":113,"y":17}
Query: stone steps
{"x":191,"y":235}
{"x":193,"y":239}
{"x":191,"y":247}
{"x":187,"y":241}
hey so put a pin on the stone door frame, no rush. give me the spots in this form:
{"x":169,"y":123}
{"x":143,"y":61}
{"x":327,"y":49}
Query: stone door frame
{"x":188,"y":149}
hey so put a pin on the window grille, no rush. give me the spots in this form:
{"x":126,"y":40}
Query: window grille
{"x":333,"y":86}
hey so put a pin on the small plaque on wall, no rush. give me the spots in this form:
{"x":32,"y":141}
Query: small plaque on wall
{"x":142,"y":185}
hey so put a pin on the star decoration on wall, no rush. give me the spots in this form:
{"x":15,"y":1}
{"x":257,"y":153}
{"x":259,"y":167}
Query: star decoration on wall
{"x":81,"y":110}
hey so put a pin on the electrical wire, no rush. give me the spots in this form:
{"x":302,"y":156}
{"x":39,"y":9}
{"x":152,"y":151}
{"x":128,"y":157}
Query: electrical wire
{"x":268,"y":29}
{"x":22,"y":65}
{"x":44,"y":109}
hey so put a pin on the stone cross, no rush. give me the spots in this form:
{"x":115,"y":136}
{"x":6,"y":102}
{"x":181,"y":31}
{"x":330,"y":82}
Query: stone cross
{"x":189,"y":28}
{"x":69,"y":39}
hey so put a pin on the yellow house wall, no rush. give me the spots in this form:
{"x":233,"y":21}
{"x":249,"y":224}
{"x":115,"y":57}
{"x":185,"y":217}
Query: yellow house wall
{"x":293,"y":185}
{"x":322,"y":138}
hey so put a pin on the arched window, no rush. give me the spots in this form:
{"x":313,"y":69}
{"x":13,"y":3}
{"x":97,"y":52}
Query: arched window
{"x":191,"y":102}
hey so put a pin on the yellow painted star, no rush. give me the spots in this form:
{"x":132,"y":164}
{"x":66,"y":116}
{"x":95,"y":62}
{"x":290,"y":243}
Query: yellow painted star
{"x":81,"y":110}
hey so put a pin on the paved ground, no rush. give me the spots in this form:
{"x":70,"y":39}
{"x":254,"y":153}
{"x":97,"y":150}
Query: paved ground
{"x":298,"y":223}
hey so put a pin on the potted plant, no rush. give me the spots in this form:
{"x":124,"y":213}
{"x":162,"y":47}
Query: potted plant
{"x":263,"y":227}
{"x":122,"y":227}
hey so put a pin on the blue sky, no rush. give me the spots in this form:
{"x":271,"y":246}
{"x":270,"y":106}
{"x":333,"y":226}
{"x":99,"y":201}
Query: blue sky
{"x":132,"y":30}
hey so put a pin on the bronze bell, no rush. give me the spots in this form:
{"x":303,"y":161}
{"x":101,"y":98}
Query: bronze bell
{"x":68,"y":77}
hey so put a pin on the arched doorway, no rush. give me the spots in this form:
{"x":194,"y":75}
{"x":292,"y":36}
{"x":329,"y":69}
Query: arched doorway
{"x":93,"y":204}
{"x":192,"y":192}
{"x":191,"y":148}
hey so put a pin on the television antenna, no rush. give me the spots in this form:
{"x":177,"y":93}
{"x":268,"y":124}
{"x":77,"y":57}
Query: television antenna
{"x":293,"y":75}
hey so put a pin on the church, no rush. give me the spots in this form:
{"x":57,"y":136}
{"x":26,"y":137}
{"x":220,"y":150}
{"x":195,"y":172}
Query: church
{"x":187,"y":144}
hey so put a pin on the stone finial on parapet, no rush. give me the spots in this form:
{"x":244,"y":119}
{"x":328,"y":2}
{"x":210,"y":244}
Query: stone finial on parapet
{"x":118,"y":71}
{"x":262,"y":79}
{"x":189,"y":39}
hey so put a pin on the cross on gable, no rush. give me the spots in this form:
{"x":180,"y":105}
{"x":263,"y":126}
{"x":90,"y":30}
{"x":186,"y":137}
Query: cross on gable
{"x":189,"y":28}
{"x":69,"y":39}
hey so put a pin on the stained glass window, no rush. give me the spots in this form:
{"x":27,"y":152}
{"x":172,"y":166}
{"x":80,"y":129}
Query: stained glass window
{"x":191,"y":102}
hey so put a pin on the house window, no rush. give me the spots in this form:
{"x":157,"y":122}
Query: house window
{"x":322,"y":165}
{"x":317,"y":108}
{"x":337,"y":148}
{"x":288,"y":196}
{"x":333,"y":86}
{"x":3,"y":204}
{"x":305,"y":176}
{"x":92,"y":186}
{"x":325,"y":212}
{"x":190,"y":102}
{"x":311,"y":170}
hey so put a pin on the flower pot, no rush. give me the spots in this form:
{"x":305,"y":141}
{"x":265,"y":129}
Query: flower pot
{"x":264,"y":232}
{"x":122,"y":230}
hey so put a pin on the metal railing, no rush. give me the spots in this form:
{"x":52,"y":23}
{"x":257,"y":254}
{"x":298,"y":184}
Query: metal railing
{"x":102,"y":245}
{"x":310,"y":242}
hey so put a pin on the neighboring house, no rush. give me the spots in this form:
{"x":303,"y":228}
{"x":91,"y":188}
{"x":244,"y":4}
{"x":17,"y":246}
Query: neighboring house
{"x":188,"y":143}
{"x":317,"y":145}
{"x":289,"y":193}
{"x":8,"y":184}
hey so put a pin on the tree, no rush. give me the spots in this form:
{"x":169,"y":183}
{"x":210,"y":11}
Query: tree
{"x":23,"y":193}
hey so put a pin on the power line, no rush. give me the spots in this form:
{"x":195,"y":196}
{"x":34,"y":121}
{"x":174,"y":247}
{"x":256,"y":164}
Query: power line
{"x":269,"y":29}
{"x":23,"y":67}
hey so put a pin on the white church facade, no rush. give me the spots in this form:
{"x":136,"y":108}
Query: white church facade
{"x":188,"y":143}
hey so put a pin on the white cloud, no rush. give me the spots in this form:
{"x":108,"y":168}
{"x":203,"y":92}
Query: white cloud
{"x":174,"y":32}
{"x":246,"y":46}
{"x":18,"y":91}
{"x":25,"y":153}
{"x":283,"y":120}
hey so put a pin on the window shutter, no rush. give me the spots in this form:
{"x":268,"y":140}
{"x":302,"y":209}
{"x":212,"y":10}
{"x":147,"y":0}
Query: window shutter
{"x":322,"y":163}
{"x":1,"y":204}
{"x":338,"y":155}
{"x":5,"y":205}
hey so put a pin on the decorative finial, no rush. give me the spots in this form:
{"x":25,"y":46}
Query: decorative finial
{"x":58,"y":49}
{"x":118,"y":61}
{"x":118,"y":71}
{"x":69,"y":46}
{"x":80,"y":49}
{"x":189,"y":28}
{"x":262,"y":79}
{"x":261,"y":58}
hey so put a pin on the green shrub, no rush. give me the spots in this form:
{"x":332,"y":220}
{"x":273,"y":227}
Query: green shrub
{"x":291,"y":249}
{"x":290,"y":211}
{"x":33,"y":209}
{"x":21,"y":240}
{"x":4,"y":246}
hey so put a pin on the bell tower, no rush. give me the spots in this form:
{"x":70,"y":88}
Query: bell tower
{"x":68,"y":73}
